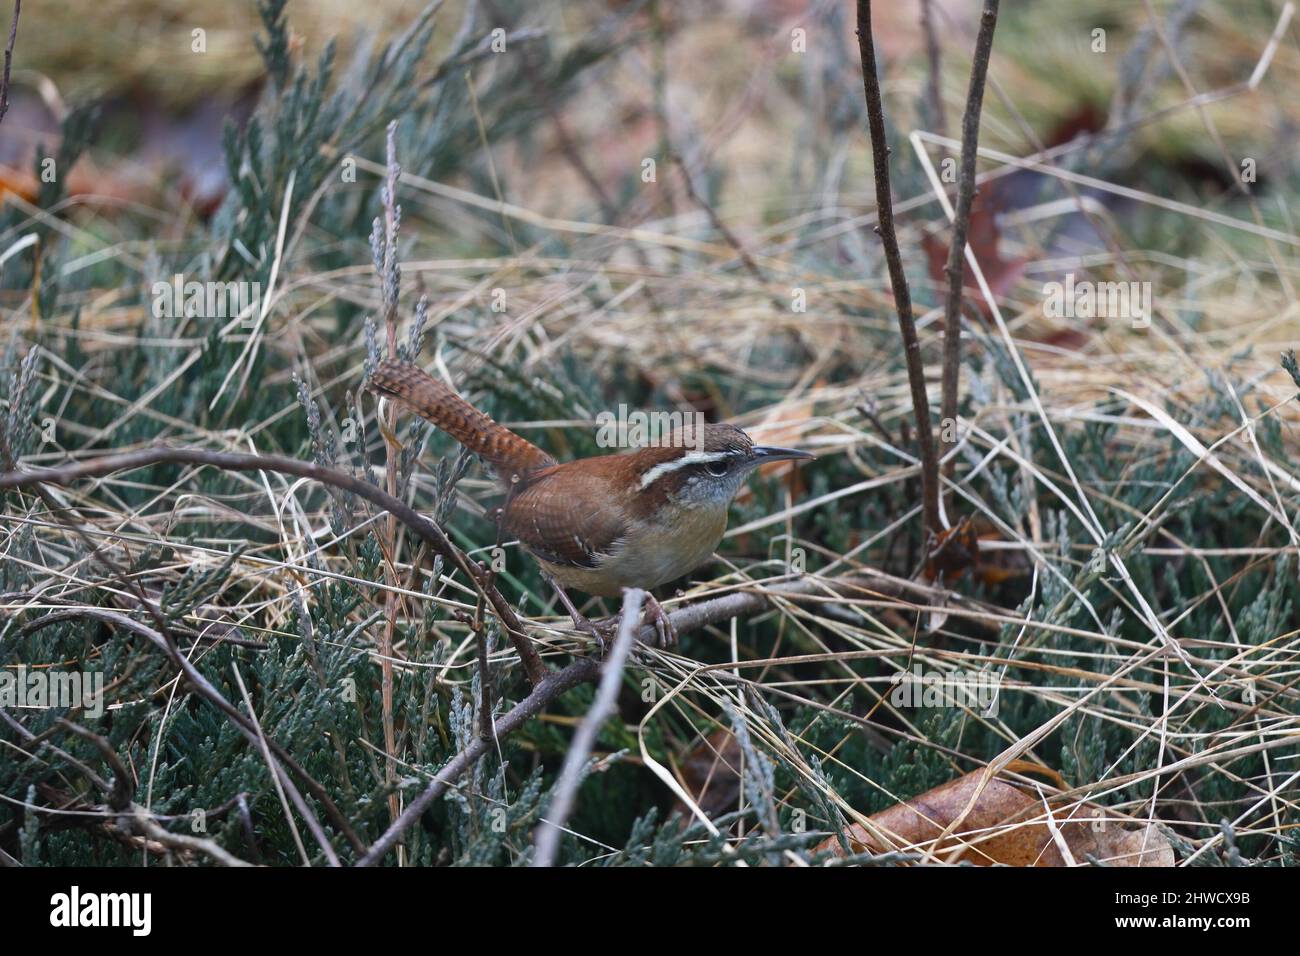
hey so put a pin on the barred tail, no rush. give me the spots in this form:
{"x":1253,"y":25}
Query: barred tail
{"x":435,"y":402}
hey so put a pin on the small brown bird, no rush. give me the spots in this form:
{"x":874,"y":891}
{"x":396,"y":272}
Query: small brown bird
{"x":637,"y":519}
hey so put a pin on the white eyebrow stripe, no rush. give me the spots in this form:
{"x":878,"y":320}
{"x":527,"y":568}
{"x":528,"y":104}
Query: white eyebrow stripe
{"x":694,"y":458}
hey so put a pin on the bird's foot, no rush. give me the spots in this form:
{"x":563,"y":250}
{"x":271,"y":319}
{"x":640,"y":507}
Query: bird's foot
{"x":652,"y":614}
{"x":603,"y":638}
{"x":582,"y":622}
{"x":655,"y":616}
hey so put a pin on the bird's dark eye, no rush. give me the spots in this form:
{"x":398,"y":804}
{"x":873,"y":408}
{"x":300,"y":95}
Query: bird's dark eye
{"x":716,"y":468}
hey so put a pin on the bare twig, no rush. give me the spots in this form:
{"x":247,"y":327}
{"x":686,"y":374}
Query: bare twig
{"x":897,"y":278}
{"x":575,"y":761}
{"x":426,"y":529}
{"x":716,"y":221}
{"x":955,"y":269}
{"x":693,"y":617}
{"x":585,"y":669}
{"x":934,"y":84}
{"x":556,"y":683}
{"x":150,"y":828}
{"x":9,"y":56}
{"x":205,"y":689}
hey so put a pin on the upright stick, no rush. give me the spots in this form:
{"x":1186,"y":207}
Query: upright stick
{"x":897,"y":279}
{"x":955,"y":269}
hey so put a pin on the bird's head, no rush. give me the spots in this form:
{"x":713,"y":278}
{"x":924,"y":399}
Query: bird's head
{"x":703,"y":466}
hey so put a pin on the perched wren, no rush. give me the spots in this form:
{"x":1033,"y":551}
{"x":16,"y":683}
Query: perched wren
{"x":602,"y":524}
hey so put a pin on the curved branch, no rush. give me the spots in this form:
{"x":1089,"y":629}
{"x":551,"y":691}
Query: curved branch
{"x":690,"y":618}
{"x":206,"y":690}
{"x":545,"y":690}
{"x":229,"y":461}
{"x":581,"y":671}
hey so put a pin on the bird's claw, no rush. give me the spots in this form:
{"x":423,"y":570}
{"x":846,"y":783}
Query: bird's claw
{"x":658,"y":618}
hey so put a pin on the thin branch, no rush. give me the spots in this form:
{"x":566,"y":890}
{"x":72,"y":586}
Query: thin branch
{"x":716,"y":221}
{"x":9,"y":56}
{"x":426,"y":529}
{"x":575,"y":761}
{"x":955,"y":269}
{"x":585,"y":669}
{"x":205,"y":689}
{"x":934,"y":83}
{"x":150,"y":828}
{"x":556,"y":683}
{"x":897,"y":278}
{"x":857,"y":584}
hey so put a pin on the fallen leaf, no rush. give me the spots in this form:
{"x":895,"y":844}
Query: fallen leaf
{"x":710,"y":773}
{"x":984,"y":238}
{"x":956,"y":549}
{"x":1008,"y":823}
{"x":183,"y":153}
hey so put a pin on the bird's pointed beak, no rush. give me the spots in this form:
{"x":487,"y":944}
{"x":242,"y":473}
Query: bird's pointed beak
{"x":763,"y":454}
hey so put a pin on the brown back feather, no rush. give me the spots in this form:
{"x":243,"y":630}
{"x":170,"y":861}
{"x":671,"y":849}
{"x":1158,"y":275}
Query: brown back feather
{"x":435,"y":402}
{"x":576,"y":527}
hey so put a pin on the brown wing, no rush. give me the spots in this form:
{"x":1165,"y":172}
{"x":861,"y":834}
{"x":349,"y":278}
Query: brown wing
{"x":574,"y":528}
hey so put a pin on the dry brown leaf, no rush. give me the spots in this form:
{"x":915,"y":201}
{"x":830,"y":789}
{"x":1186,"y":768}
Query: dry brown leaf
{"x":710,"y":772}
{"x":1007,"y":824}
{"x":984,"y":237}
{"x":956,"y":549}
